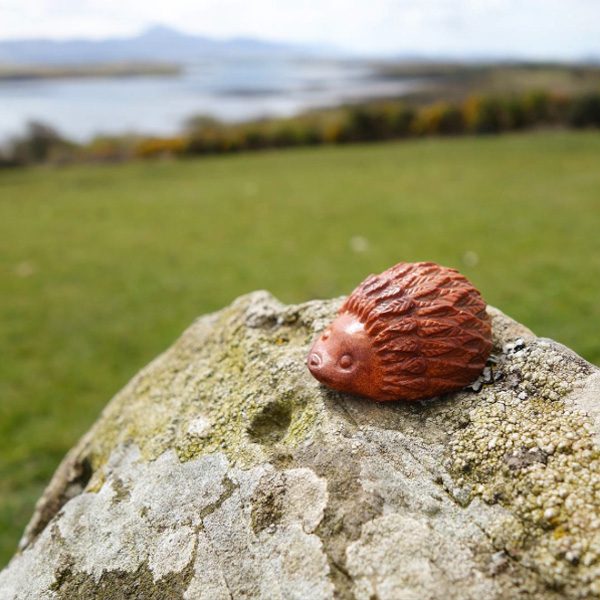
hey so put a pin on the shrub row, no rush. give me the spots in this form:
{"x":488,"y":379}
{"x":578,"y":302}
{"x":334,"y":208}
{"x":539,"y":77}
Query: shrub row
{"x":357,"y":123}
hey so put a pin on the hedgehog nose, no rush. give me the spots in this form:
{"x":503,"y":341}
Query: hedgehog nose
{"x":315,"y":361}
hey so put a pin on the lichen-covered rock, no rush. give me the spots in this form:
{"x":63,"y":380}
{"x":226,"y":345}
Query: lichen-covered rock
{"x":224,"y":470}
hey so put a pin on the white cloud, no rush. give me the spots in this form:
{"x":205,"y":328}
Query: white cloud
{"x":541,"y":28}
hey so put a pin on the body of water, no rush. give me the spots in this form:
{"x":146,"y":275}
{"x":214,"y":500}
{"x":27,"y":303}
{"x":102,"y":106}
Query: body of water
{"x":227,"y":89}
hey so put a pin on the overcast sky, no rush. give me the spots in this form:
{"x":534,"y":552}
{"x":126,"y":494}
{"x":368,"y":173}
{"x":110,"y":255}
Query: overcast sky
{"x":532,"y":28}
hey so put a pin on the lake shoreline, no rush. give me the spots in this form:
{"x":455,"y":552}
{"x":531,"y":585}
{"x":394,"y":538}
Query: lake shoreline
{"x":17,"y":73}
{"x":151,"y":99}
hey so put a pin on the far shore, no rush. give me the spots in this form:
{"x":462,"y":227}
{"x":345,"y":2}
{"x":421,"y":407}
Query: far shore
{"x":25,"y":73}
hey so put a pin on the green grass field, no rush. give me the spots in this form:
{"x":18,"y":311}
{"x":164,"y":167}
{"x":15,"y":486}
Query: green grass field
{"x":101,"y":267}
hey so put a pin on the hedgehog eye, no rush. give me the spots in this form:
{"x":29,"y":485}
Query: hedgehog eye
{"x":346,"y":361}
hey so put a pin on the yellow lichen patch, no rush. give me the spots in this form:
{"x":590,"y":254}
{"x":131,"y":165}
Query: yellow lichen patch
{"x":528,"y":447}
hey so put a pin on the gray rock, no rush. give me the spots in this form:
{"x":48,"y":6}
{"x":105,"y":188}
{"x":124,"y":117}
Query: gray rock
{"x":224,"y":470}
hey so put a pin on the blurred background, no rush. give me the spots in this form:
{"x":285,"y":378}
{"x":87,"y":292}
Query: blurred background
{"x":159,"y":159}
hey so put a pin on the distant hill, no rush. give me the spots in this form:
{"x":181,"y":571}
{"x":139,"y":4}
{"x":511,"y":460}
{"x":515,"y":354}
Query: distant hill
{"x":157,"y":44}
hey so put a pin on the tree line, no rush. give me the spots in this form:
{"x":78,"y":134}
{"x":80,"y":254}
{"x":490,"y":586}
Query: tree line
{"x":376,"y":121}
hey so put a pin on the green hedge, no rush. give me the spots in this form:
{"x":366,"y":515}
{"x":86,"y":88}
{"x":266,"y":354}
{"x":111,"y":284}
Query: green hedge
{"x":384,"y":120}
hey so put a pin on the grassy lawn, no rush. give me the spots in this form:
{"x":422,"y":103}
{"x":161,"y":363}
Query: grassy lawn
{"x":102,"y":267}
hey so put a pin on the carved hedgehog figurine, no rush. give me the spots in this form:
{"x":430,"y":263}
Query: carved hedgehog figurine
{"x":415,"y":331}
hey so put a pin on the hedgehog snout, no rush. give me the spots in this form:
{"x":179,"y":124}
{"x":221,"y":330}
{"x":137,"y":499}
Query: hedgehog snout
{"x":320,"y":363}
{"x":314,"y":361}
